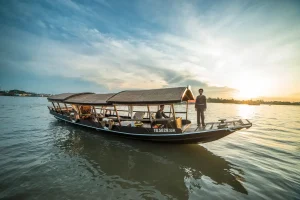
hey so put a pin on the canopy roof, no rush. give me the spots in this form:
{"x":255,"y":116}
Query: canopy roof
{"x":154,"y":96}
{"x":90,"y":99}
{"x":64,"y":96}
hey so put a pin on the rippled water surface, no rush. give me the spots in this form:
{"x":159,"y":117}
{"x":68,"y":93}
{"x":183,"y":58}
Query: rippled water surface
{"x":42,"y":158}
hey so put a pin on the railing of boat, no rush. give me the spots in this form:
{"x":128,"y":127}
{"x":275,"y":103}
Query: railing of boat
{"x":236,"y":124}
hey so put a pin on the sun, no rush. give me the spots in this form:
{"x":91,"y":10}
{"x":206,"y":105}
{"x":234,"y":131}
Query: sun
{"x":251,"y":88}
{"x":244,"y":95}
{"x":248,"y":91}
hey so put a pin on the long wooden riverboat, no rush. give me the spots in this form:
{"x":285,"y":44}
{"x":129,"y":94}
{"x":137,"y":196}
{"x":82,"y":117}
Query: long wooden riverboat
{"x":131,"y":114}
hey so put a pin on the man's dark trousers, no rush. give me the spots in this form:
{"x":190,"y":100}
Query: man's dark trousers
{"x":200,"y":113}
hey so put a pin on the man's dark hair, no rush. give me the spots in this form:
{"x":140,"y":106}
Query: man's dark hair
{"x":200,"y":89}
{"x":161,"y":106}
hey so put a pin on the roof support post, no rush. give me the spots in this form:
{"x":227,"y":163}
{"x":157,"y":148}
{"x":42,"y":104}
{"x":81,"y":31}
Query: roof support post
{"x":173,"y":112}
{"x":187,"y":109}
{"x":118,"y":117}
{"x":130,"y":111}
{"x":59,"y":108}
{"x":67,"y":108}
{"x":149,"y":115}
{"x":54,"y":107}
{"x":102,"y":110}
{"x":79,"y":111}
{"x":95,"y":113}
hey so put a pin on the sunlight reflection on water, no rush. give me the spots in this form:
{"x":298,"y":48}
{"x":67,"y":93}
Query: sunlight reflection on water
{"x":245,"y":111}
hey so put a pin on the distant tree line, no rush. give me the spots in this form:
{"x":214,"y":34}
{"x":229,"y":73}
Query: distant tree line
{"x":21,"y":93}
{"x":251,"y":102}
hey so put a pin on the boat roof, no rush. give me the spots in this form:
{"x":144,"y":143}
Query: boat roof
{"x":90,"y":99}
{"x":64,"y":96}
{"x":153,"y":96}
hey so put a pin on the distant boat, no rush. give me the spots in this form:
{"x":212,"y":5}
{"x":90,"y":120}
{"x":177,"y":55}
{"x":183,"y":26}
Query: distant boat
{"x":105,"y":113}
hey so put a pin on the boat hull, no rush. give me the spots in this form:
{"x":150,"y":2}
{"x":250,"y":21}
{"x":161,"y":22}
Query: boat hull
{"x":200,"y":136}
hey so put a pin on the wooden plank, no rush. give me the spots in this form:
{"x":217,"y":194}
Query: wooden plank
{"x":142,"y":120}
{"x":226,"y":122}
{"x":186,"y":127}
{"x":175,"y":112}
{"x":141,"y":104}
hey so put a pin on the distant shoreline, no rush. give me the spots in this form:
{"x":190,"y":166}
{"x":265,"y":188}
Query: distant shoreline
{"x":20,"y":96}
{"x":292,"y":104}
{"x":251,"y":102}
{"x":21,"y":93}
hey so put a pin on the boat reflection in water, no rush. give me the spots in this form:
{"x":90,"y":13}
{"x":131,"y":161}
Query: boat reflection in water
{"x":174,"y":171}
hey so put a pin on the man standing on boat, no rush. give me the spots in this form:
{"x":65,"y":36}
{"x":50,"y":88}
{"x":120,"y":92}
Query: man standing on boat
{"x":200,"y":107}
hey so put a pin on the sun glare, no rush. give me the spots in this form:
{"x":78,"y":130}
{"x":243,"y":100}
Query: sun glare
{"x":245,"y":111}
{"x":251,"y":88}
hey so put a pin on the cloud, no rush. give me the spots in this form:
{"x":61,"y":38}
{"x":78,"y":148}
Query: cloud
{"x":140,"y":46}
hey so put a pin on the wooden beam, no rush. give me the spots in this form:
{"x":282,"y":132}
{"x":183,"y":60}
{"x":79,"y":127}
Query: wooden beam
{"x":148,"y":108}
{"x":79,"y":111}
{"x":94,"y":109}
{"x":149,"y":113}
{"x":95,"y":113}
{"x":102,"y":110}
{"x":67,"y":108}
{"x":130,"y":110}
{"x":187,"y":108}
{"x":118,"y":117}
{"x":54,"y":107}
{"x":142,"y":120}
{"x":173,"y":111}
{"x":186,"y":126}
{"x":59,"y":108}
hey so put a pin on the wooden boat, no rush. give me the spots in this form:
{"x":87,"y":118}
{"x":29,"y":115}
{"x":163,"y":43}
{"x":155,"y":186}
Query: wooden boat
{"x":131,"y":114}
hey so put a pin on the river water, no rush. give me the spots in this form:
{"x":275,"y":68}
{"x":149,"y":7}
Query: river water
{"x":42,"y":158}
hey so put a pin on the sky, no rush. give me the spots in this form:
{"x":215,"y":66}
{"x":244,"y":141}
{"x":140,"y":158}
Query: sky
{"x":232,"y":49}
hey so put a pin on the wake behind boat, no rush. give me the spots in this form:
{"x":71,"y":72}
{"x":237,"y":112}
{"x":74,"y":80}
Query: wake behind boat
{"x":131,"y":114}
